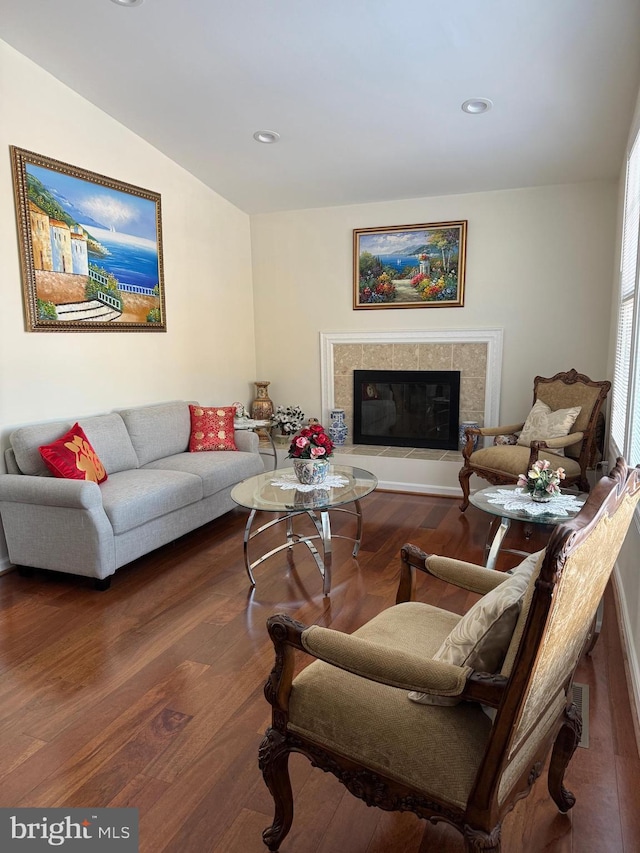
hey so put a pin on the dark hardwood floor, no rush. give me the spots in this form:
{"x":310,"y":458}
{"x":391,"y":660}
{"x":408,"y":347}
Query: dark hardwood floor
{"x":150,"y":694}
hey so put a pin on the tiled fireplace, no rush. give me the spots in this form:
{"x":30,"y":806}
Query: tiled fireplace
{"x":476,"y":353}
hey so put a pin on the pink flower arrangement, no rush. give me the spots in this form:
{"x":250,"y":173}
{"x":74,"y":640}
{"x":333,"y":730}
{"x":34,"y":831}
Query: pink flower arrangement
{"x":311,"y":443}
{"x":541,"y":479}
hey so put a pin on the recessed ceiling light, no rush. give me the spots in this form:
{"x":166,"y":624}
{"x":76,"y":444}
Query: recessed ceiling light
{"x":128,"y":2}
{"x":477,"y":105}
{"x":266,"y":136}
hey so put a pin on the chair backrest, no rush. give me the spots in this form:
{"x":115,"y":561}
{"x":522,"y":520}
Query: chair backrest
{"x":565,"y":390}
{"x":578,"y":562}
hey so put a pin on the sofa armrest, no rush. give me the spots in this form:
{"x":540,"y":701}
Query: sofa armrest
{"x":57,"y":524}
{"x":246,"y":440}
{"x":49,"y":491}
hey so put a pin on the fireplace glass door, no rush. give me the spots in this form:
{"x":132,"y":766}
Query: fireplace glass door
{"x":406,"y":408}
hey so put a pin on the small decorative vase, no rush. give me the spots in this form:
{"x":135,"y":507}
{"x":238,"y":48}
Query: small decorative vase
{"x":262,"y":406}
{"x":461,"y":433}
{"x":262,"y":410}
{"x":541,"y":497}
{"x":311,"y":472}
{"x":337,"y":427}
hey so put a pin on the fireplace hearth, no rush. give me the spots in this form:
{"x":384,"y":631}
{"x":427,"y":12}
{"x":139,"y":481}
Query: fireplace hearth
{"x":406,"y":408}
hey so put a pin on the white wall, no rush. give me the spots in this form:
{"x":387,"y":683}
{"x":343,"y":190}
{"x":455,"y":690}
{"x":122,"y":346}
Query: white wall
{"x":208,"y":351}
{"x":538,"y":265}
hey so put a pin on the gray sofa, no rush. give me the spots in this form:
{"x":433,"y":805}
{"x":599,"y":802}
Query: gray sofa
{"x":156,"y":490}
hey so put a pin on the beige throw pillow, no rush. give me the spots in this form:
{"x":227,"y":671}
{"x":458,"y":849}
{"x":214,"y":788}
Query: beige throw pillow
{"x":481,"y":638}
{"x":542,"y":424}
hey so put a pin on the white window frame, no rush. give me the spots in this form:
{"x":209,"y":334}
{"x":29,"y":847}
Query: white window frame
{"x":625,"y":406}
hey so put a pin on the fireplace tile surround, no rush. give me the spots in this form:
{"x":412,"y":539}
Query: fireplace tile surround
{"x":469,"y":359}
{"x":476,"y":353}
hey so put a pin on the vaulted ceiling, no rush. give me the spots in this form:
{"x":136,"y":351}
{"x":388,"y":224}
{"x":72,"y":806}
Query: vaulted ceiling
{"x":365,"y":94}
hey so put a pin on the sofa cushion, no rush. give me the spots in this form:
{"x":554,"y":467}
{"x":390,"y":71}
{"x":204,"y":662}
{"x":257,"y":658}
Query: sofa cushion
{"x":158,"y":430}
{"x":110,"y":440}
{"x":131,"y":498}
{"x":106,"y":433}
{"x":27,"y":440}
{"x":211,"y":428}
{"x":73,"y":458}
{"x":217,"y":470}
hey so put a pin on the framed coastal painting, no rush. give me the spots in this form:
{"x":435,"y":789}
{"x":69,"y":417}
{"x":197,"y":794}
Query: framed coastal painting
{"x":90,"y":249}
{"x":410,"y":266}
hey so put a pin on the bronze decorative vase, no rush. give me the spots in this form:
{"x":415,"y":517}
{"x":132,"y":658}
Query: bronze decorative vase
{"x":262,"y":408}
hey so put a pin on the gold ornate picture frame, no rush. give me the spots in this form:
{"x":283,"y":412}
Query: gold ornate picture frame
{"x":410,"y":266}
{"x":90,"y":249}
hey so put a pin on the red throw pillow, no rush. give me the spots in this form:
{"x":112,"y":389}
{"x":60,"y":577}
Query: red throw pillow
{"x":212,"y":428}
{"x":73,"y":458}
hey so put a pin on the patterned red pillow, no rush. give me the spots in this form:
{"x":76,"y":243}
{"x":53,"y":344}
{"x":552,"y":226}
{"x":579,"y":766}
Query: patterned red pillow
{"x":73,"y":458}
{"x":212,"y":428}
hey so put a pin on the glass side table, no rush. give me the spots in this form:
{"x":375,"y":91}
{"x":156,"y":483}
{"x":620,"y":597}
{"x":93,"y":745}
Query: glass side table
{"x":511,"y":503}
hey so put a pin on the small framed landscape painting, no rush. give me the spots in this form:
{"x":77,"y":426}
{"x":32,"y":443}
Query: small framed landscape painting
{"x":410,"y":266}
{"x":90,"y":249}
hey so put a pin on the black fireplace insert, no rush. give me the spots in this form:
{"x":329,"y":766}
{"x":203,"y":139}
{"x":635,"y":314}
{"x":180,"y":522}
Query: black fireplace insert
{"x":406,"y":408}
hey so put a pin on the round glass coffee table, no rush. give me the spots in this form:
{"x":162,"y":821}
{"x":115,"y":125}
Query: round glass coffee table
{"x":511,"y":503}
{"x":279,"y":492}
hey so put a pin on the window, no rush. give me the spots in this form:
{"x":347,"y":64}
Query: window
{"x":625,"y":401}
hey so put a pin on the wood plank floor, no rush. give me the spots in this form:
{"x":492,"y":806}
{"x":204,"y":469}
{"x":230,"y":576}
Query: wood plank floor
{"x":150,"y":694}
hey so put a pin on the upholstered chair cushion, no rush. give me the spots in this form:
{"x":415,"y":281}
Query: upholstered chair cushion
{"x":482,"y":637}
{"x":435,"y":749}
{"x":543,"y":423}
{"x":514,"y":460}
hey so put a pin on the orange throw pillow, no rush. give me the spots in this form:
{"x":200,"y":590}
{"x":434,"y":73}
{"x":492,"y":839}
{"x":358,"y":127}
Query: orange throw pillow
{"x":73,"y":458}
{"x":212,"y":428}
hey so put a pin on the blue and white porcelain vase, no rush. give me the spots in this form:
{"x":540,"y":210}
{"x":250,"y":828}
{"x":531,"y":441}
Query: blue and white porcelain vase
{"x":311,"y":472}
{"x":337,"y":427}
{"x":463,"y":438}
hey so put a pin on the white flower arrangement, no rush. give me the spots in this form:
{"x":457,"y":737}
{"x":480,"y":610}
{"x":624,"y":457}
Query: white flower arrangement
{"x":289,"y":419}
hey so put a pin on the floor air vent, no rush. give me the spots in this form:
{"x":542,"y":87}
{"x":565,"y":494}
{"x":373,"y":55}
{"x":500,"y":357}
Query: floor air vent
{"x":581,"y":699}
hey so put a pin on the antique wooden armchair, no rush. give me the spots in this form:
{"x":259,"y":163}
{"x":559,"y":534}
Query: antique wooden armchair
{"x":349,"y":712}
{"x":501,"y":464}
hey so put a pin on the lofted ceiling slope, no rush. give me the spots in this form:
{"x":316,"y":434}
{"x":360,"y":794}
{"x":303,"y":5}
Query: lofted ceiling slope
{"x":365,"y":94}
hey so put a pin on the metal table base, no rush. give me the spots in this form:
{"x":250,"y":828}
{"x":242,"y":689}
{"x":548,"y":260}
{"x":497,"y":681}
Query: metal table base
{"x":322,"y":524}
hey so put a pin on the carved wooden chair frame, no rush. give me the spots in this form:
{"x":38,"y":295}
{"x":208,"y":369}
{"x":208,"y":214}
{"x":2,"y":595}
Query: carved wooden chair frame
{"x":497,"y":478}
{"x":480,"y":822}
